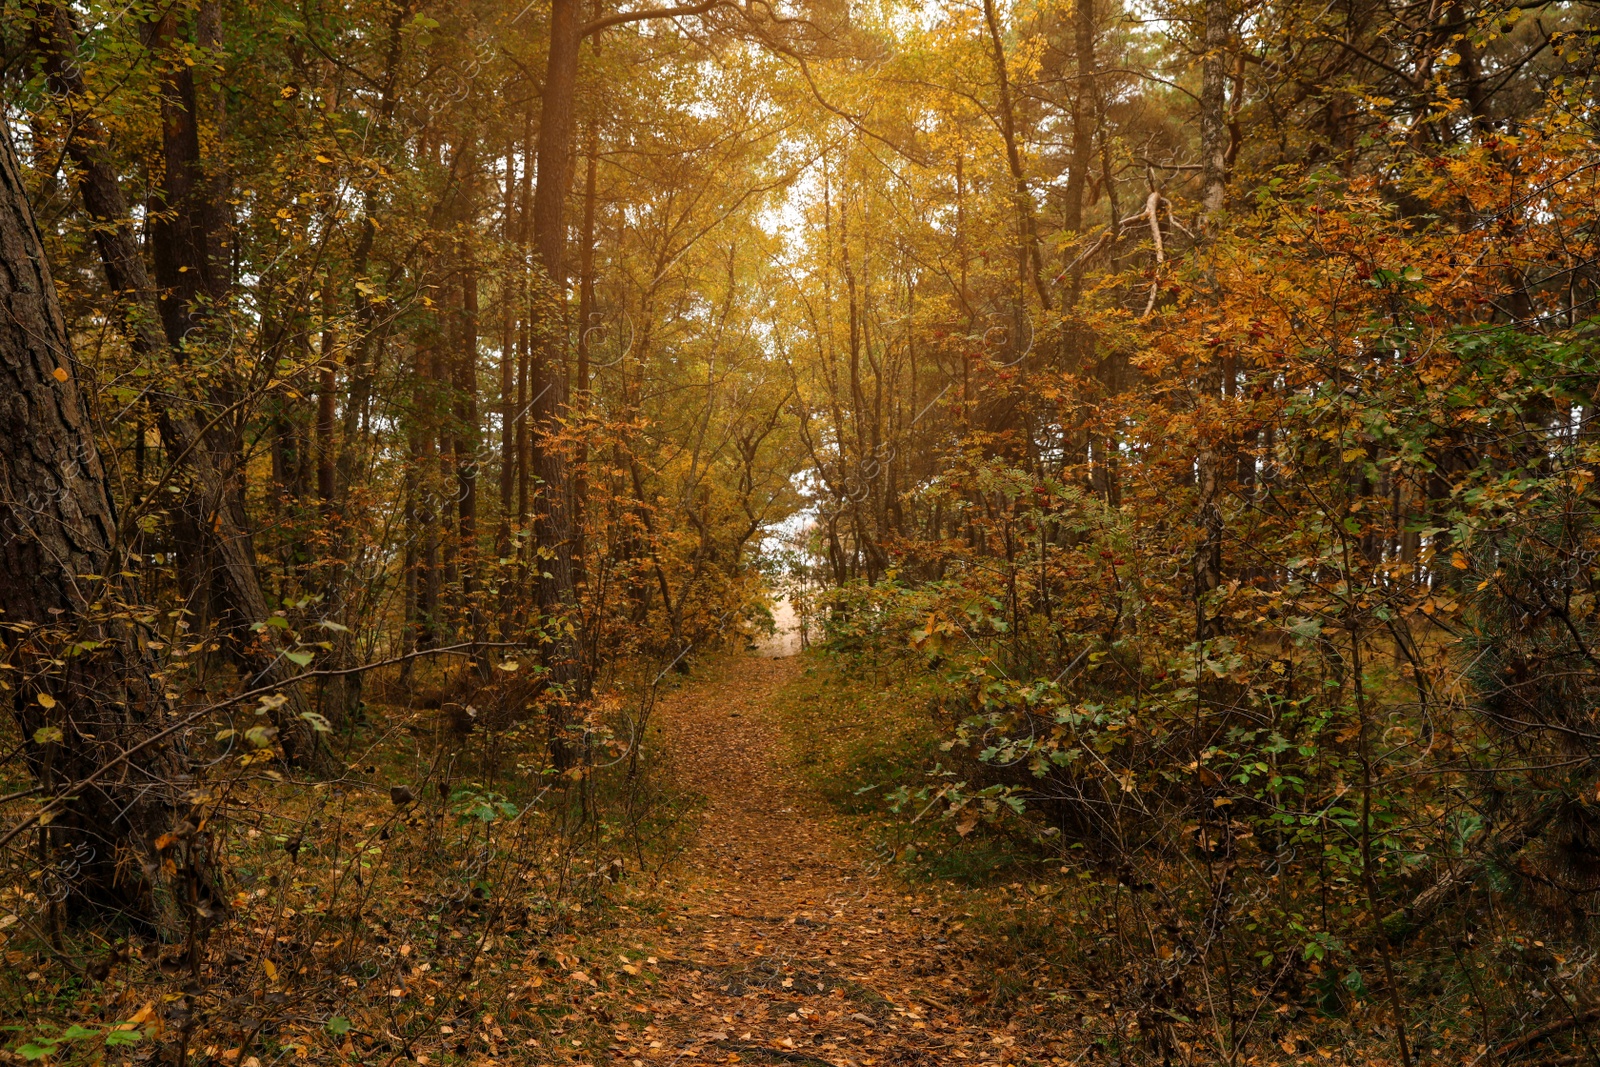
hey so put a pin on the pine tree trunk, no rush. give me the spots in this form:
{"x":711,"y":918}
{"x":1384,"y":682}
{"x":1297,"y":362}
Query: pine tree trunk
{"x":467,"y":460}
{"x":580,"y":482}
{"x":1083,"y":115}
{"x":211,"y":522}
{"x":553,"y":527}
{"x":88,"y":695}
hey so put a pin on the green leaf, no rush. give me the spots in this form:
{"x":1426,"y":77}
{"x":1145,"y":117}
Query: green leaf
{"x":37,"y":1050}
{"x":1306,"y":627}
{"x":261,"y":736}
{"x":338,"y":1025}
{"x":44,"y":735}
{"x":302,"y":659}
{"x":117,"y":1038}
{"x":77,"y":1033}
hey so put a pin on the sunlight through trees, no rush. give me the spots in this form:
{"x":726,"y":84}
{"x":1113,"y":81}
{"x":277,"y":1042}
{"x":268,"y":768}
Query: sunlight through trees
{"x":1185,"y":408}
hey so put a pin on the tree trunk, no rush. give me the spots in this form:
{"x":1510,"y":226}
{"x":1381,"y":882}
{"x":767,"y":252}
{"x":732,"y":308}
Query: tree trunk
{"x":78,"y":711}
{"x":553,"y":528}
{"x":327,"y":393}
{"x":1030,"y":263}
{"x":1213,"y":104}
{"x":467,"y":455}
{"x":508,"y":387}
{"x":211,"y":520}
{"x":580,"y":481}
{"x":1083,"y":115}
{"x":524,"y":437}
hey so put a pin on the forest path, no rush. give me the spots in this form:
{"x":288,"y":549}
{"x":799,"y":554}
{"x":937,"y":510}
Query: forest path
{"x":780,"y":944}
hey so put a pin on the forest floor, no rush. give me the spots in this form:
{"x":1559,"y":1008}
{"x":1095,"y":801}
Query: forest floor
{"x":779,"y":942}
{"x":762,"y":918}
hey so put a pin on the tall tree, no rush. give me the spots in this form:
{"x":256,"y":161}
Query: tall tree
{"x":213,"y":528}
{"x":1217,"y":29}
{"x":95,"y":724}
{"x":554,"y":530}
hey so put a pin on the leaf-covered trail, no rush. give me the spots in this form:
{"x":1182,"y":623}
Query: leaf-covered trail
{"x":781,"y":943}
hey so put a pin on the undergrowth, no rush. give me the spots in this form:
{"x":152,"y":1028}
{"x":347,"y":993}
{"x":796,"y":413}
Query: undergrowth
{"x":1054,"y":939}
{"x":448,"y":896}
{"x":869,"y":747}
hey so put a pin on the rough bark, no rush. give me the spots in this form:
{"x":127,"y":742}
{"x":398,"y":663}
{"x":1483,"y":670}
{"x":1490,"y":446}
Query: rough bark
{"x":580,"y":484}
{"x":1083,"y":114}
{"x":553,"y":525}
{"x":555,"y":532}
{"x":467,"y":453}
{"x":340,"y":696}
{"x":212,"y":527}
{"x":87,"y":694}
{"x":524,"y":435}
